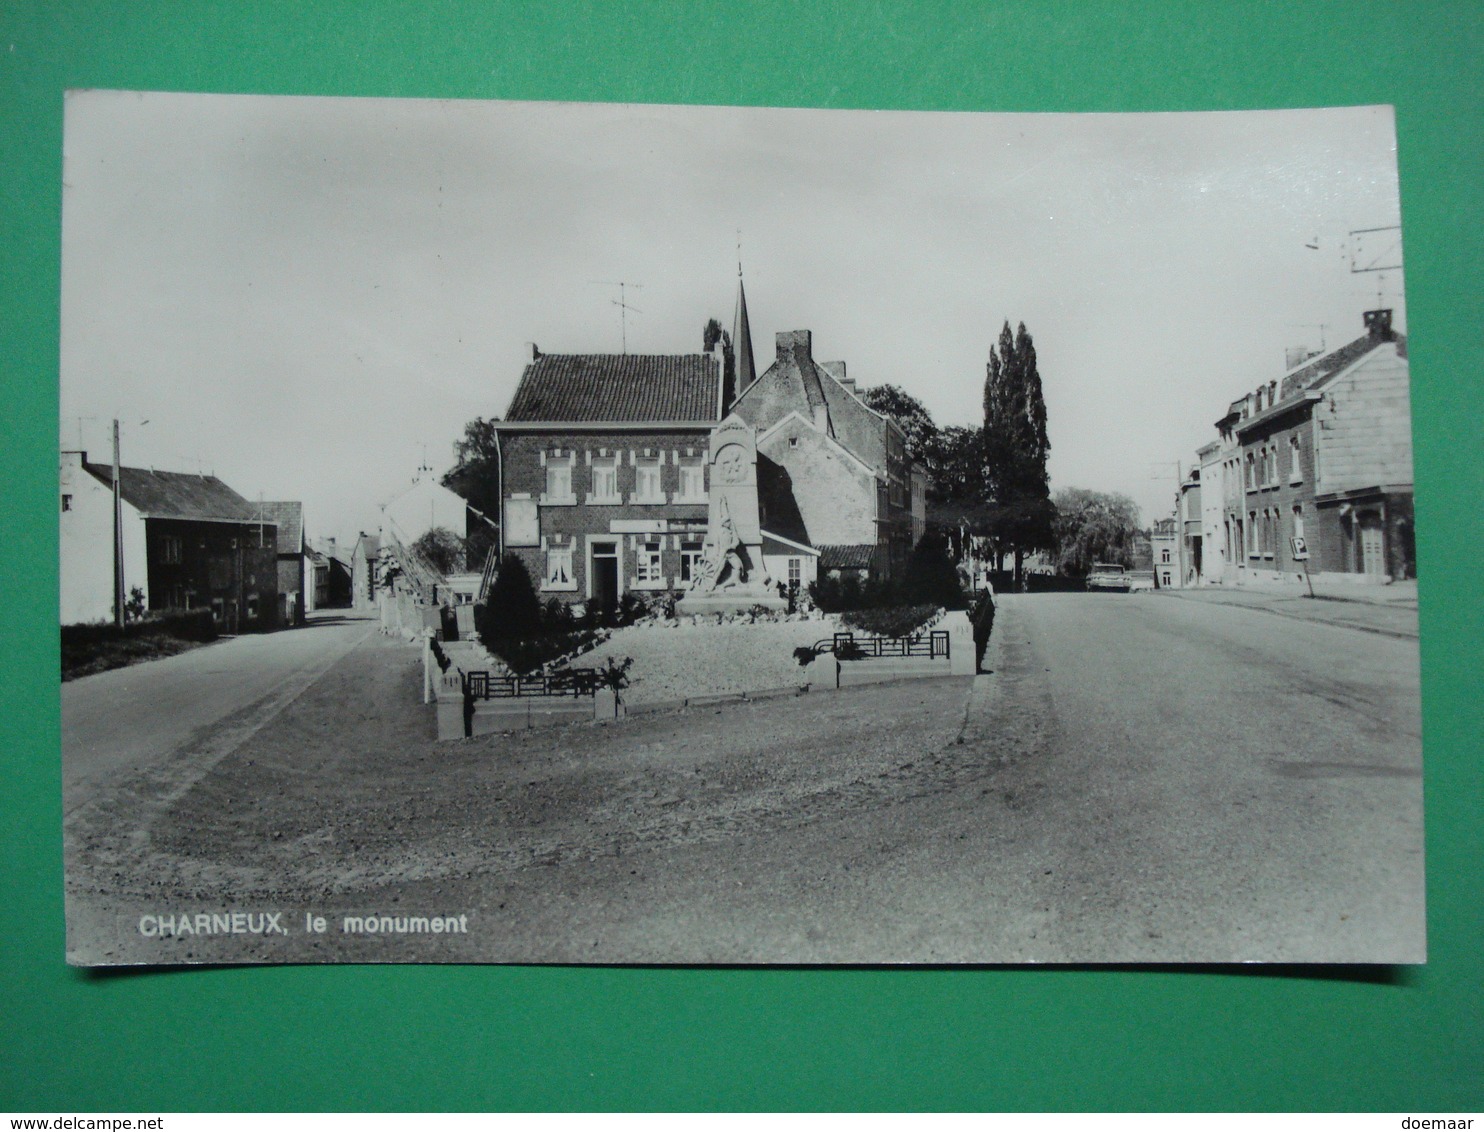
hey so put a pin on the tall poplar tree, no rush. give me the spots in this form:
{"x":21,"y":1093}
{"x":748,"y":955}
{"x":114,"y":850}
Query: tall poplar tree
{"x":1016,"y":446}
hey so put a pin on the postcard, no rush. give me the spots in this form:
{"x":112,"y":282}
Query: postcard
{"x":507,"y":532}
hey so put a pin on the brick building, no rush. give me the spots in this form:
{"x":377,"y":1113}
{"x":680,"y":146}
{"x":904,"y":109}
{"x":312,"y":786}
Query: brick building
{"x":840,"y":465}
{"x":299,"y":568}
{"x":1326,"y":458}
{"x":603,"y":470}
{"x":189,"y":542}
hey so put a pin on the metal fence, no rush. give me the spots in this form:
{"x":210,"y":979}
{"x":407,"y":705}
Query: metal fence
{"x":572,"y":682}
{"x":847,"y":646}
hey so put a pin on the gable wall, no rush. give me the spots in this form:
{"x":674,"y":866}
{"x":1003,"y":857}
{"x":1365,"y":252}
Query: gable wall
{"x":1365,"y":426}
{"x":836,"y":497}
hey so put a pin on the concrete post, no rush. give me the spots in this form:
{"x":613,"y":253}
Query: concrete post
{"x":962,"y":656}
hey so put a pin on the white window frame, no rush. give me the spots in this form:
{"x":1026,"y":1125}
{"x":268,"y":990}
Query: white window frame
{"x":552,"y":498}
{"x":1295,"y":466}
{"x":692,"y":475}
{"x":649,"y":564}
{"x":555,"y":555}
{"x":644,"y":467}
{"x":605,"y":466}
{"x":690,"y":557}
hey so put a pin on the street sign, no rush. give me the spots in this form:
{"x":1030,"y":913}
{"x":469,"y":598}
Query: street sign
{"x":1300,"y":549}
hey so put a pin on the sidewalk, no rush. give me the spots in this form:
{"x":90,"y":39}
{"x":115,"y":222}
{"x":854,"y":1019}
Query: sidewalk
{"x":1390,"y":610}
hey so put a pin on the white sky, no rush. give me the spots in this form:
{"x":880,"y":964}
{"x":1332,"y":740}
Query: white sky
{"x":304,"y":295}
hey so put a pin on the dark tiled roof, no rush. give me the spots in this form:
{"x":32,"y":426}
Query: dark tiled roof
{"x":856,"y":557}
{"x":617,"y":387}
{"x":1326,"y":365}
{"x":177,"y":495}
{"x":290,"y":520}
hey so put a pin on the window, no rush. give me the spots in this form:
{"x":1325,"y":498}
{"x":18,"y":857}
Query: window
{"x":217,"y":610}
{"x":1164,"y":555}
{"x":559,"y":569}
{"x":795,"y":572}
{"x":1251,"y":471}
{"x":1165,"y":578}
{"x":252,"y":607}
{"x":1295,"y":470}
{"x":170,"y":549}
{"x":66,"y":503}
{"x":647,"y":480}
{"x":559,"y":480}
{"x":692,"y":481}
{"x":1298,"y":521}
{"x":648,"y":571}
{"x":690,"y":556}
{"x":1252,"y":534}
{"x":605,"y":480}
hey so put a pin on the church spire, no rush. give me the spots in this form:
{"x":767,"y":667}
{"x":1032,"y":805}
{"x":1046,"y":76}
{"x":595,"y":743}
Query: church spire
{"x":742,"y":339}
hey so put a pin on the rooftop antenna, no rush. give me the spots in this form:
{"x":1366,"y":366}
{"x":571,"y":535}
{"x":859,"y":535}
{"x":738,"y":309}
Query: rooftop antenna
{"x":1378,"y":250}
{"x":622,"y":304}
{"x":739,"y":253}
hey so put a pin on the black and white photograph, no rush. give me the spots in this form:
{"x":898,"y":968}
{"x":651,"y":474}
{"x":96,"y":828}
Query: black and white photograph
{"x":577,"y":533}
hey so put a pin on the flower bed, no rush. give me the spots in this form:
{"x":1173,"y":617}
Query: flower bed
{"x":683,"y":660}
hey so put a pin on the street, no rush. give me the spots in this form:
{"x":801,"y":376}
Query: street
{"x":1138,"y":779}
{"x":136,"y":718}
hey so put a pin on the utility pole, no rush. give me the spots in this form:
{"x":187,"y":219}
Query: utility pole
{"x":118,"y":536}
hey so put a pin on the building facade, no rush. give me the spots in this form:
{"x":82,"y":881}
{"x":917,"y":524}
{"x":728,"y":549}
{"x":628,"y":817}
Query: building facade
{"x":845,"y":465}
{"x":189,"y":542}
{"x":1326,"y":465}
{"x":603,"y":471}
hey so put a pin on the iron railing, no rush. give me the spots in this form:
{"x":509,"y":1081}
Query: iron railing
{"x":847,"y":646}
{"x":569,"y":682}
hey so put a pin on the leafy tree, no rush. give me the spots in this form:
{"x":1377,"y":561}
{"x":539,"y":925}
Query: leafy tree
{"x":475,"y":477}
{"x":441,"y":549}
{"x":931,"y":576}
{"x":713,"y":334}
{"x":1016,"y":445}
{"x":910,"y":414}
{"x":1093,"y":526}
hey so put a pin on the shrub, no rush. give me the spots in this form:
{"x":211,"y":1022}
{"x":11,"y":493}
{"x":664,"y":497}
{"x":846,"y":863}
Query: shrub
{"x":891,"y":621}
{"x":931,"y":576}
{"x":526,"y":654}
{"x":512,"y":608}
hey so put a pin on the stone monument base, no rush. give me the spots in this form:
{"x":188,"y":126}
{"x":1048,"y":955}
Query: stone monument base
{"x":738,"y":600}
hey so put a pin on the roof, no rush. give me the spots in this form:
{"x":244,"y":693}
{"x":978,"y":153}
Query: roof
{"x":178,"y":495}
{"x":854,"y":557}
{"x":290,"y":520}
{"x":1302,"y":383}
{"x":618,"y":387}
{"x":1316,"y":370}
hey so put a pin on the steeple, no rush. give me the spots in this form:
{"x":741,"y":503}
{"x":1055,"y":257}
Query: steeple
{"x":742,"y":340}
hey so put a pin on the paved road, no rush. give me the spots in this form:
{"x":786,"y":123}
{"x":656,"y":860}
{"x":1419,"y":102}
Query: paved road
{"x":211,"y":698}
{"x":1139,"y":780}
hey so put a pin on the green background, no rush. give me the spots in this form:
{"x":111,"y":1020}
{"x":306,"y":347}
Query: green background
{"x":406,"y":1038}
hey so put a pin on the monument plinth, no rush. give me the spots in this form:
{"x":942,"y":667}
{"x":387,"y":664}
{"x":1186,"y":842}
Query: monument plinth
{"x":731,"y":576}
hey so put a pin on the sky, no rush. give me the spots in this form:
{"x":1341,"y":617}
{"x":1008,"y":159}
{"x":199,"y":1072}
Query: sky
{"x":310,"y":297}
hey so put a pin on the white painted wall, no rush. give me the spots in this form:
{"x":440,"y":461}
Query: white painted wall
{"x":86,"y":546}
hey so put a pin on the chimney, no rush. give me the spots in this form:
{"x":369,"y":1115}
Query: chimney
{"x":1378,"y":323}
{"x":330,"y":547}
{"x":796,"y":344}
{"x":531,"y":353}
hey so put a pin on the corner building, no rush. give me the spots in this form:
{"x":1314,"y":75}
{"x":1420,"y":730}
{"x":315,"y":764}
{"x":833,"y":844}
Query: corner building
{"x":603,"y":466}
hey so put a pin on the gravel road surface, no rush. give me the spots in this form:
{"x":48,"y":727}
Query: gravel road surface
{"x":1137,"y":781}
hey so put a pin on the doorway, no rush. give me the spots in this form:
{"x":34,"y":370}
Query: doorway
{"x":604,"y":576}
{"x":1372,"y":545}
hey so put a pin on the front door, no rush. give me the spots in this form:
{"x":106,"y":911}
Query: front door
{"x":1372,"y":546}
{"x":605,"y":574}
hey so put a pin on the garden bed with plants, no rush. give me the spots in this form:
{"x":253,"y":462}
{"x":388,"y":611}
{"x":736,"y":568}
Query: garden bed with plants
{"x":100,"y":646}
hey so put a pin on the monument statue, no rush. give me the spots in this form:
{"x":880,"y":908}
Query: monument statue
{"x":731,"y":574}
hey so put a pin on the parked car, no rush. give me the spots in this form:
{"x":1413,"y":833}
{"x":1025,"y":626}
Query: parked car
{"x":1108,"y":576}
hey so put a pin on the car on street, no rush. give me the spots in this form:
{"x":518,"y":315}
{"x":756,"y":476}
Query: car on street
{"x":1109,"y":576}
